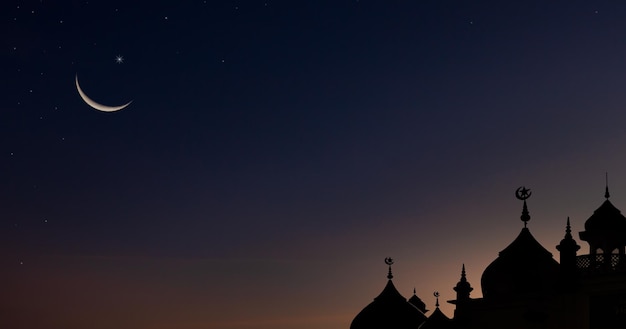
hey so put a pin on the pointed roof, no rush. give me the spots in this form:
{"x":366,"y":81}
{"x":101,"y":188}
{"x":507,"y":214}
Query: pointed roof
{"x":524,"y":266}
{"x":437,"y":320}
{"x":389,"y":310}
{"x":606,"y":217}
{"x":417,"y":302}
{"x":606,"y":224}
{"x":568,"y":242}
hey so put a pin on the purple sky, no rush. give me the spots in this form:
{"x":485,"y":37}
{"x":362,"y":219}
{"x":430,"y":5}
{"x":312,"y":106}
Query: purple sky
{"x":276,"y":152}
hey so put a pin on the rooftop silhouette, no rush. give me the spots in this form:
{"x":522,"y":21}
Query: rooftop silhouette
{"x":525,"y":287}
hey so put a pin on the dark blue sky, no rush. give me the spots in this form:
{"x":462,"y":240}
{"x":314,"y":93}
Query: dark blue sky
{"x":284,"y":148}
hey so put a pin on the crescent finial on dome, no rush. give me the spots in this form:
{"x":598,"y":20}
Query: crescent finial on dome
{"x":523,"y":193}
{"x":389,"y":262}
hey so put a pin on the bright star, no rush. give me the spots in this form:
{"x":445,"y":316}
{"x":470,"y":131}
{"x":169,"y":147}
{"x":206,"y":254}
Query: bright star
{"x":119,"y":59}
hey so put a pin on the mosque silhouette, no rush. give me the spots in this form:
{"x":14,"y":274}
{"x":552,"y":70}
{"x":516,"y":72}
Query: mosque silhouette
{"x":525,"y":287}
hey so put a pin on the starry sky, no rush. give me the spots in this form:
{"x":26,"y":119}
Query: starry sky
{"x":275,"y":152}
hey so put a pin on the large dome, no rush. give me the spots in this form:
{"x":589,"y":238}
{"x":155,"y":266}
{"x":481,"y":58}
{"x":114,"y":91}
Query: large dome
{"x":390,"y":310}
{"x":525,"y":266}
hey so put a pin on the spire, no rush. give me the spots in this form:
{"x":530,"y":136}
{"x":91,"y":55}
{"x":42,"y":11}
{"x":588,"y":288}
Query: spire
{"x":568,"y":229}
{"x":568,"y":244}
{"x":389,"y":261}
{"x":567,"y":250}
{"x":463,"y":278}
{"x":436,"y":294}
{"x":463,"y":288}
{"x":606,"y":189}
{"x":523,"y":193}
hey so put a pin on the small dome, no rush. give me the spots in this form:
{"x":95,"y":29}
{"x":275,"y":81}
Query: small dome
{"x":607,"y":218}
{"x":389,"y":310}
{"x":417,"y":302}
{"x":437,"y":320}
{"x":525,"y":266}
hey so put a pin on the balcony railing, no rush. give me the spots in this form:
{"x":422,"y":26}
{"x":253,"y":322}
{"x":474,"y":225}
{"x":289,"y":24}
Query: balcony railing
{"x":601,"y":263}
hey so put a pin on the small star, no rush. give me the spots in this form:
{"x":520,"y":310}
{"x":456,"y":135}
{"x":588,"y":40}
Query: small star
{"x":119,"y":59}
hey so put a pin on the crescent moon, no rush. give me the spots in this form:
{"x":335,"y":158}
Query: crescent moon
{"x":96,"y":105}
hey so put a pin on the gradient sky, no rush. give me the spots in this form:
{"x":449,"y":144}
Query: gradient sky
{"x":277,"y":151}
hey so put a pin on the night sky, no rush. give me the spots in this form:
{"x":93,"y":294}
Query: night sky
{"x":275,"y":152}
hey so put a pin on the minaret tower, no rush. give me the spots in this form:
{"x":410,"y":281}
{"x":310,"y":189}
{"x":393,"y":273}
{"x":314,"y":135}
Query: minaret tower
{"x":605,"y":232}
{"x":463,"y":288}
{"x":567,"y":249}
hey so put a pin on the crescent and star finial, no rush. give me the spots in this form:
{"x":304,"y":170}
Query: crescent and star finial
{"x":389,"y":262}
{"x":436,"y":294}
{"x":523,"y":193}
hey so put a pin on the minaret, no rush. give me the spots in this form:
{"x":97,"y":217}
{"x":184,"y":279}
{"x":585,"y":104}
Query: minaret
{"x":463,"y":288}
{"x":567,"y":249}
{"x":605,"y":232}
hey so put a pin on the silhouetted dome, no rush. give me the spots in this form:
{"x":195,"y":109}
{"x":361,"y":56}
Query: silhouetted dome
{"x":437,"y":320}
{"x":417,"y":302}
{"x":390,"y":310}
{"x":525,"y":266}
{"x":607,"y":221}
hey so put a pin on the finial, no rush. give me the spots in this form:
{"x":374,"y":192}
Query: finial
{"x":463,"y":278}
{"x":436,"y":294}
{"x":414,"y":292}
{"x":389,"y":261}
{"x":568,"y":227}
{"x":523,"y":193}
{"x":606,"y":190}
